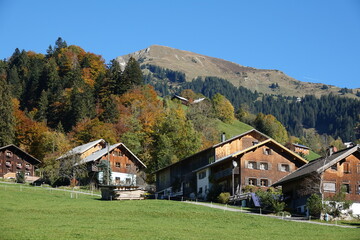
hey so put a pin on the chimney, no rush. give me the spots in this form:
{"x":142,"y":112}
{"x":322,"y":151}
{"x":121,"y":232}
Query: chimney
{"x":223,"y":137}
{"x":331,"y":150}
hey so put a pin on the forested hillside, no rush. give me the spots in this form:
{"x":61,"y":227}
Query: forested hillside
{"x":55,"y":101}
{"x":333,"y":115}
{"x":50,"y":103}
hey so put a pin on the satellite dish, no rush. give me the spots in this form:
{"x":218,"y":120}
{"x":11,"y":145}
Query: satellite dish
{"x":234,"y":163}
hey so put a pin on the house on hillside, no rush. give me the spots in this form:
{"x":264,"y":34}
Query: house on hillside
{"x":298,"y":148}
{"x":126,"y":167}
{"x":325,"y":176}
{"x":251,"y":158}
{"x":14,"y":160}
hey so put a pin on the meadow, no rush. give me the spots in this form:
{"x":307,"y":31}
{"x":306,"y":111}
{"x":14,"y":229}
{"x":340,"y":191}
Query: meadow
{"x":36,"y":213}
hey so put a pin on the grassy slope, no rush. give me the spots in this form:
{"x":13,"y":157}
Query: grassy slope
{"x":39,"y":214}
{"x":233,"y":129}
{"x":312,"y":156}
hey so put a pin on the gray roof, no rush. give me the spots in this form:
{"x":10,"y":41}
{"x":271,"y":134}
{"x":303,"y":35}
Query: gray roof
{"x":250,"y":149}
{"x":98,"y":154}
{"x":299,"y":145}
{"x":319,"y":165}
{"x":214,"y":146}
{"x":82,"y":148}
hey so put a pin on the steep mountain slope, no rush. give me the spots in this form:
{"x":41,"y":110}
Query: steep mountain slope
{"x":195,"y":65}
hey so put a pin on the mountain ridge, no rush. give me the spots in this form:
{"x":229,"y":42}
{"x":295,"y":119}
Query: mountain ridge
{"x":269,"y":81}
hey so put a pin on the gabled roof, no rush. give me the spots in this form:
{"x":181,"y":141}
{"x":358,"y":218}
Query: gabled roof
{"x":82,"y":148}
{"x":251,"y":149}
{"x":98,"y":154}
{"x":215,"y":146}
{"x":301,"y":146}
{"x":319,"y":165}
{"x":35,"y":160}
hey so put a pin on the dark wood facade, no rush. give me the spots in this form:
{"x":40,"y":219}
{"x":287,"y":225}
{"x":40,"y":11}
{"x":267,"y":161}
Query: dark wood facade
{"x":191,"y":175}
{"x":259,"y":165}
{"x":14,"y":160}
{"x":325,"y":176}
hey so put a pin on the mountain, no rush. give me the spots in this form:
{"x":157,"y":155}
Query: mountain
{"x":197,"y":65}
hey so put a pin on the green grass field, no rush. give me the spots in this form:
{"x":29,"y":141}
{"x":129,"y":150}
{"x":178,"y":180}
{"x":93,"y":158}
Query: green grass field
{"x":36,"y":213}
{"x":233,"y":129}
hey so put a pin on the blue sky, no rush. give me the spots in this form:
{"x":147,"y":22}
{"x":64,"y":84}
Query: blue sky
{"x":313,"y":41}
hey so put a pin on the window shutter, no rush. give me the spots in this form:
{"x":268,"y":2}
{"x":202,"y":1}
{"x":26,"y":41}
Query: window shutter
{"x":246,"y":164}
{"x":279,"y":166}
{"x":269,"y":182}
{"x":257,"y":165}
{"x":264,"y":151}
{"x":270,"y":152}
{"x":269,"y":166}
{"x":290,"y":168}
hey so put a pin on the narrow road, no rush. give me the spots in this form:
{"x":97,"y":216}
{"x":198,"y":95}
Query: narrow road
{"x":294,"y":219}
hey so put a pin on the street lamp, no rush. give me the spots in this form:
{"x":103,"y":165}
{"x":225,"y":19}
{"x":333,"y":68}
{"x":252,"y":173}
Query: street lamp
{"x":234,"y":163}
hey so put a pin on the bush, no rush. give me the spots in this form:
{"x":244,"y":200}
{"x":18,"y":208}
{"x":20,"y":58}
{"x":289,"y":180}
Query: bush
{"x":314,"y":204}
{"x":271,"y":200}
{"x":20,"y":177}
{"x":224,"y":197}
{"x":213,"y":193}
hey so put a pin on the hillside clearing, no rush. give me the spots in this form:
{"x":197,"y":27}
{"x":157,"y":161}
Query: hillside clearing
{"x":40,"y":214}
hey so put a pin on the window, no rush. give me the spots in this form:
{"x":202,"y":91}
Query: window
{"x":200,"y":190}
{"x":358,"y":189}
{"x":263,"y":166}
{"x":334,"y":167}
{"x":27,"y":173}
{"x":284,"y":168}
{"x":252,"y":165}
{"x":8,"y":154}
{"x":255,"y":142}
{"x":267,"y":151}
{"x":211,"y":159}
{"x":117,"y":164}
{"x":127,"y":166}
{"x":8,"y":163}
{"x":27,"y":166}
{"x":329,"y":187}
{"x":252,"y":181}
{"x":128,"y":180}
{"x":264,"y":182}
{"x":346,"y":167}
{"x":358,"y":168}
{"x":346,"y":187}
{"x":18,"y":165}
{"x":117,"y":180}
{"x":202,"y":174}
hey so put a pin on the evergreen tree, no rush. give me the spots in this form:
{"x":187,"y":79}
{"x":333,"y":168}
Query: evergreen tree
{"x":132,"y":76}
{"x":7,"y":119}
{"x":42,"y":107}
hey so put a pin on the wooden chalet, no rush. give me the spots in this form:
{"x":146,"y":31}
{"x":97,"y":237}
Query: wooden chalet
{"x":14,"y":160}
{"x":260,"y":162}
{"x":325,"y":176}
{"x":125,"y":166}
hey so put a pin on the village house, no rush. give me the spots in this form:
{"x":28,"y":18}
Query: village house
{"x":325,"y":176}
{"x":13,"y":160}
{"x":251,"y":158}
{"x":298,"y":148}
{"x":126,"y":168}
